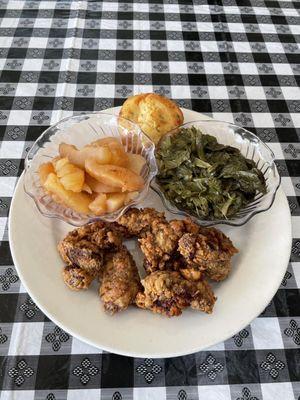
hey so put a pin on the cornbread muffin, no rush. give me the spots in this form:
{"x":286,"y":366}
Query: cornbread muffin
{"x":155,"y":114}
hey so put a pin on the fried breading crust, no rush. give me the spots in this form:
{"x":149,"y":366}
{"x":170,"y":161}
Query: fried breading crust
{"x":218,"y":271}
{"x":168,"y":293}
{"x":77,"y":278}
{"x":160,"y":239}
{"x":191,"y":274}
{"x":82,"y":253}
{"x":157,"y":237}
{"x":136,"y":221}
{"x":120,"y":281}
{"x":158,"y":245}
{"x":178,"y":263}
{"x":179,"y":254}
{"x":85,"y":246}
{"x":209,"y":250}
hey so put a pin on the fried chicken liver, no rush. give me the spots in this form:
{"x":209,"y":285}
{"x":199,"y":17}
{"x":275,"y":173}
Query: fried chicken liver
{"x":120,"y":281}
{"x":77,"y":278}
{"x":84,"y":246}
{"x":209,"y":250}
{"x":168,"y":293}
{"x":160,"y":240}
{"x":157,"y":237}
{"x":137,"y":221}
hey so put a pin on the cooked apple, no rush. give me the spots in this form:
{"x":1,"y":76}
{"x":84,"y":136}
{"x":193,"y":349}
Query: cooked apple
{"x":74,"y":181}
{"x":103,"y":154}
{"x":99,"y":206}
{"x":130,"y":196}
{"x":115,"y":201}
{"x":77,"y":201}
{"x":106,"y":141}
{"x":99,"y":187}
{"x":64,"y":169}
{"x":114,"y":175}
{"x":97,"y":179}
{"x":119,"y":156}
{"x":86,"y":188}
{"x":59,"y":163}
{"x":44,"y":170}
{"x":136,"y":163}
{"x":70,"y":176}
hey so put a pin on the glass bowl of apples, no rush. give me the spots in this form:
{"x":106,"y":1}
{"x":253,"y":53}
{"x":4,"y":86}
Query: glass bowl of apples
{"x":89,"y":167}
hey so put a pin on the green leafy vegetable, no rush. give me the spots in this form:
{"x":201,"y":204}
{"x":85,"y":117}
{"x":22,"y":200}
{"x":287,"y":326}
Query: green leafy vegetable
{"x":204,"y":177}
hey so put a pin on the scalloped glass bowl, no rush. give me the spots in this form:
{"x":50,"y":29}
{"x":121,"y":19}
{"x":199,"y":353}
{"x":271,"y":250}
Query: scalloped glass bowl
{"x":81,"y":130}
{"x":251,"y":147}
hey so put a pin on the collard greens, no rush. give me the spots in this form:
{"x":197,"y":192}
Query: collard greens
{"x":204,"y":177}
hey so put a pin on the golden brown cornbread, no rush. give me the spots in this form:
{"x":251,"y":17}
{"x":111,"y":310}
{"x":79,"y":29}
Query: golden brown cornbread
{"x":131,"y":107}
{"x":155,"y":114}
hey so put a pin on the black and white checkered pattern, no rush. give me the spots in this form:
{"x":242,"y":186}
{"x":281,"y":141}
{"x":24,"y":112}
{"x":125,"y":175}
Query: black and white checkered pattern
{"x":235,"y":60}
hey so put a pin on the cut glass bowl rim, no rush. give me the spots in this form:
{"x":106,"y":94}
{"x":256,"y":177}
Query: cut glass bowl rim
{"x":110,"y":217}
{"x":231,"y":222}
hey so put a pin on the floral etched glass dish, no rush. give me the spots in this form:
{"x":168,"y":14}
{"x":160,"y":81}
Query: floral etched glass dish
{"x":81,"y":130}
{"x":251,"y":147}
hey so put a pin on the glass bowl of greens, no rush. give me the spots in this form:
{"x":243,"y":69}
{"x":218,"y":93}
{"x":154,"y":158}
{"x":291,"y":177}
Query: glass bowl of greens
{"x":215,"y":172}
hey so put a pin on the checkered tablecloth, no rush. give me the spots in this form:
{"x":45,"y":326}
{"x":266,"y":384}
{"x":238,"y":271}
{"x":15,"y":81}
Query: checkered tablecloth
{"x":235,"y":60}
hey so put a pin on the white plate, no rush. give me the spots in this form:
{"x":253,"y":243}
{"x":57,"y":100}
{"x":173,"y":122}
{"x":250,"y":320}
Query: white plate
{"x":264,"y":244}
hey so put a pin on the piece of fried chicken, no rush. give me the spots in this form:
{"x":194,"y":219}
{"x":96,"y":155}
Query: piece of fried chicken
{"x":168,"y":293}
{"x":120,"y":281}
{"x":209,"y":250}
{"x":84,"y":246}
{"x":178,"y":263}
{"x":160,"y":241}
{"x":163,"y":239}
{"x":77,"y":278}
{"x":157,"y":237}
{"x":137,"y":221}
{"x":158,"y":244}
